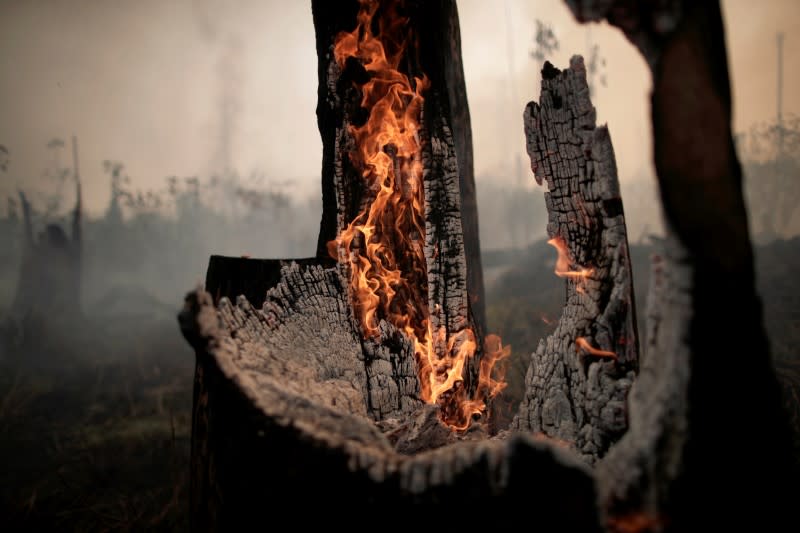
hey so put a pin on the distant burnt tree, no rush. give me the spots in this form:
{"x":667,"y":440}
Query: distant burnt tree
{"x":50,"y":270}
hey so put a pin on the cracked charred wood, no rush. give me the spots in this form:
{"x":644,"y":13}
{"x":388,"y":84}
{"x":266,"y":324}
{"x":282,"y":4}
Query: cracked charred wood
{"x":579,"y":377}
{"x":300,"y":394}
{"x":280,"y":417}
{"x":703,"y":389}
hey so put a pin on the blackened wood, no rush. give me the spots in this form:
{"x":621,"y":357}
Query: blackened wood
{"x":291,"y":402}
{"x":437,"y":54}
{"x":440,"y":59}
{"x":50,"y":271}
{"x":330,"y":18}
{"x":234,"y":276}
{"x":571,"y":393}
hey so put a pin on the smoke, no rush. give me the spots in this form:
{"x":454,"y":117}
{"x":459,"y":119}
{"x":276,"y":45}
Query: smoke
{"x":229,"y":47}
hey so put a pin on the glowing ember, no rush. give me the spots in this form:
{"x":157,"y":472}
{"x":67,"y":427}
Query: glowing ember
{"x":582,"y":343}
{"x":383,"y":244}
{"x":635,"y":523}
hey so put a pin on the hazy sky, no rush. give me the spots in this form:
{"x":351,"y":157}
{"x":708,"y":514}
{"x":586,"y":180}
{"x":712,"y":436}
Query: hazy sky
{"x":145,"y":82}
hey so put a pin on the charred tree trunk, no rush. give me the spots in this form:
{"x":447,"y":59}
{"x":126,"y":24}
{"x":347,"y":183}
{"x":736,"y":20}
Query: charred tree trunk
{"x":579,"y":377}
{"x":703,"y":389}
{"x":436,"y":53}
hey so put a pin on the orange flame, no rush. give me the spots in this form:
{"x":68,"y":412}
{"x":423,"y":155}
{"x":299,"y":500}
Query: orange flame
{"x":383,"y":244}
{"x":581,"y":342}
{"x":563,"y":270}
{"x":563,"y":263}
{"x":635,"y":522}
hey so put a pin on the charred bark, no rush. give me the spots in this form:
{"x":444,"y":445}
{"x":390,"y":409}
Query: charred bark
{"x":702,"y":389}
{"x":293,"y":401}
{"x":280,"y":416}
{"x":579,"y":377}
{"x":437,"y":53}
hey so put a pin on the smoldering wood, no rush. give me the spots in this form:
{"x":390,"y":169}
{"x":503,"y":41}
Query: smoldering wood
{"x":291,"y":402}
{"x":570,"y":394}
{"x":437,"y":53}
{"x":450,"y":247}
{"x":439,"y":30}
{"x":637,"y":474}
{"x":289,"y":392}
{"x":702,"y":389}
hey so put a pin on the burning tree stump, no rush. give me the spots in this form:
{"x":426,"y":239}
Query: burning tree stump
{"x":363,"y":374}
{"x":318,"y":389}
{"x":579,"y":377}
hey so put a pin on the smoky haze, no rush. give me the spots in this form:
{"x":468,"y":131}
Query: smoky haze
{"x":211,"y":104}
{"x":193,"y":87}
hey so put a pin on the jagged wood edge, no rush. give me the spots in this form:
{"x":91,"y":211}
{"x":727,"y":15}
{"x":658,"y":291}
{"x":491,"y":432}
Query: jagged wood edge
{"x":341,"y":449}
{"x":569,"y":394}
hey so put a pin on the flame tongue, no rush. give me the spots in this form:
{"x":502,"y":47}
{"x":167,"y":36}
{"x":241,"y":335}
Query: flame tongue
{"x":564,"y":270}
{"x":384,"y":243}
{"x":582,"y":343}
{"x":563,"y":263}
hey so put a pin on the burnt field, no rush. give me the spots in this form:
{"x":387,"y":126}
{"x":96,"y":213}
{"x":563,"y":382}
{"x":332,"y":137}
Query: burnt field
{"x":95,"y":412}
{"x":95,"y":422}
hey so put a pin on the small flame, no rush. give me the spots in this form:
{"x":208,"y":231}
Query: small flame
{"x":581,"y":342}
{"x":383,"y":244}
{"x":563,"y":263}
